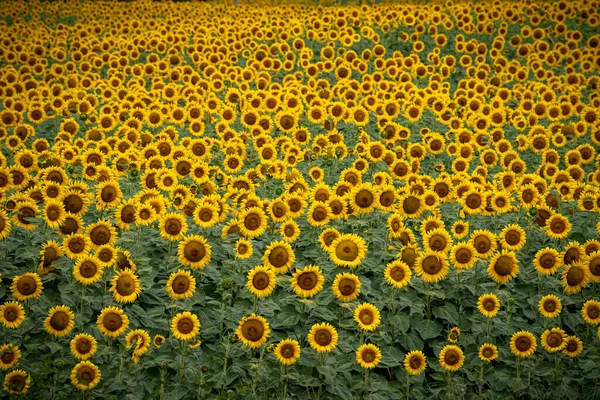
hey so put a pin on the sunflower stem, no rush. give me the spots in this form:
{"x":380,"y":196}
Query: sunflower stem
{"x":81,"y":302}
{"x":255,"y":306}
{"x":480,"y":383}
{"x":181,"y":361}
{"x":518,"y":367}
{"x":284,"y":376}
{"x":487,"y":328}
{"x":428,"y":291}
{"x":366,"y":380}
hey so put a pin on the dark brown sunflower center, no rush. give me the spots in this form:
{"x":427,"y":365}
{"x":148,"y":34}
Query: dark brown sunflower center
{"x":451,"y":357}
{"x":112,"y":321}
{"x":17,"y":383}
{"x":194,"y":251}
{"x":549,"y":305}
{"x":100,"y":235}
{"x":11,"y":314}
{"x":572,"y":346}
{"x":431,"y":265}
{"x":88,"y":269}
{"x":547,"y":261}
{"x":504,"y":266}
{"x":366,"y":317}
{"x":523,"y":343}
{"x":108,"y":194}
{"x":26,"y":285}
{"x":368,"y":355}
{"x":83,"y":346}
{"x":319,"y":214}
{"x":411,"y":205}
{"x":287,"y":351}
{"x":397,"y":274}
{"x":125,"y":285}
{"x":7,"y":357}
{"x":364,"y":198}
{"x":73,"y":203}
{"x":59,"y":321}
{"x":253,"y":330}
{"x":261,"y":280}
{"x":308,"y":280}
{"x":347,"y":286}
{"x":437,"y":242}
{"x":571,"y":256}
{"x":86,"y":374}
{"x":489,"y":305}
{"x":482,"y":244}
{"x":473,"y":201}
{"x":513,"y":238}
{"x":487,"y":352}
{"x":415,"y":362}
{"x":558,"y":226}
{"x":575,"y":276}
{"x":180,"y":284}
{"x":323,"y":337}
{"x":185,"y":325}
{"x":279,"y":257}
{"x":463,"y":255}
{"x":555,"y":339}
{"x":128,"y":214}
{"x":593,"y":312}
{"x":53,"y":214}
{"x":252,"y":222}
{"x":347,"y":250}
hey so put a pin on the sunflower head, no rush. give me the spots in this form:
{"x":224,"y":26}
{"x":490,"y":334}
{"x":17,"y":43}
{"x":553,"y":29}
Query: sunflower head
{"x":279,"y":256}
{"x":17,"y":382}
{"x":367,"y":316}
{"x":83,"y":346}
{"x":348,"y":250}
{"x":181,"y":285}
{"x":488,"y":352}
{"x":398,"y":274}
{"x":553,"y":340}
{"x":194,"y":252}
{"x":574,"y":346}
{"x":112,"y":322}
{"x":523,"y":344}
{"x":60,"y":321}
{"x":12,"y":314}
{"x":185,"y":326}
{"x":287,"y":351}
{"x":27,"y":286}
{"x":346,"y":286}
{"x":9,"y":356}
{"x":550,"y":306}
{"x":415,"y":362}
{"x":125,"y":286}
{"x":323,"y":337}
{"x":591,"y":312}
{"x":85,"y":375}
{"x":253,"y":331}
{"x":368,"y":356}
{"x":451,"y":358}
{"x":307,"y":282}
{"x":261,"y":281}
{"x":488,"y":305}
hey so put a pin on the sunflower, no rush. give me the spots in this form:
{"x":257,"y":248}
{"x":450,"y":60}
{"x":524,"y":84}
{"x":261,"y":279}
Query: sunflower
{"x":574,"y":346}
{"x":547,"y":261}
{"x":591,"y":312}
{"x":172,"y":226}
{"x":26,"y":286}
{"x":289,"y":231}
{"x":513,"y":237}
{"x":253,"y":331}
{"x":308,"y":281}
{"x":12,"y":314}
{"x":279,"y":256}
{"x":125,"y":286}
{"x":451,"y":358}
{"x":488,"y":352}
{"x":367,"y":316}
{"x":101,"y":233}
{"x":368,"y":356}
{"x":112,"y":322}
{"x":484,"y":242}
{"x":454,"y":334}
{"x":5,"y":225}
{"x":415,"y":362}
{"x":327,"y":237}
{"x":558,"y":227}
{"x":398,"y":274}
{"x":206,"y":215}
{"x":60,"y":321}
{"x":108,"y":194}
{"x":363,"y":198}
{"x":501,"y":202}
{"x":83,"y":346}
{"x":278,"y":210}
{"x":145,"y":214}
{"x":523,"y":344}
{"x":261,"y":281}
{"x":550,"y":306}
{"x":348,"y":250}
{"x":85,"y":375}
{"x":75,"y":245}
{"x":54,"y":214}
{"x":323,"y":337}
{"x":437,"y":240}
{"x":181,"y":285}
{"x":488,"y":304}
{"x":253,"y":222}
{"x":346,"y":286}
{"x":9,"y":356}
{"x":411,"y":206}
{"x":88,"y":270}
{"x":185,"y":326}
{"x":158,"y":340}
{"x":23,"y":211}
{"x":287,"y":351}
{"x":142,"y":341}
{"x":17,"y":382}
{"x":553,"y":340}
{"x":575,"y":277}
{"x":463,"y":255}
{"x":431,"y":266}
{"x":243,"y":249}
{"x":194,"y":252}
{"x":503,"y":267}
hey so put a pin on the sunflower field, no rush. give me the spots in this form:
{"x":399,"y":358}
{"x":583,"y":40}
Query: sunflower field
{"x":300,"y":199}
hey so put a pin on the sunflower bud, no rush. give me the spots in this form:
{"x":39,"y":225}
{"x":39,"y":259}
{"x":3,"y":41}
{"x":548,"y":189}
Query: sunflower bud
{"x":204,"y":369}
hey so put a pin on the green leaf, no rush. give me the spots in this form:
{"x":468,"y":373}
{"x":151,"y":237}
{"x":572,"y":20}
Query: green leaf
{"x":327,"y":371}
{"x":428,"y":329}
{"x":447,"y":312}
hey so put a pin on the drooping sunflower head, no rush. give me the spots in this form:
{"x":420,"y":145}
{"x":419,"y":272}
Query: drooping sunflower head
{"x":323,"y":337}
{"x":368,"y":356}
{"x":451,"y":358}
{"x":523,"y":344}
{"x":287,"y":351}
{"x":253,"y":331}
{"x":308,"y":281}
{"x":488,"y":352}
{"x":488,"y":305}
{"x":367,"y":316}
{"x":348,"y":250}
{"x":158,"y":340}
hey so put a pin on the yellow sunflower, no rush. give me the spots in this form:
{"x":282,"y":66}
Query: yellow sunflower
{"x":253,"y":222}
{"x":488,"y":352}
{"x":9,"y":356}
{"x":60,"y":321}
{"x":454,"y":334}
{"x":323,"y":337}
{"x":451,"y":358}
{"x":327,"y":237}
{"x":523,"y":344}
{"x":346,"y":286}
{"x":368,"y":356}
{"x":185,"y":326}
{"x":290,"y":231}
{"x":26,"y":286}
{"x":101,"y":233}
{"x":287,"y":351}
{"x":415,"y":362}
{"x":75,"y":245}
{"x":172,"y":226}
{"x":158,"y":340}
{"x":54,"y":213}
{"x":206,"y":215}
{"x":348,"y":250}
{"x":12,"y":314}
{"x":547,"y":261}
{"x":181,"y":285}
{"x":431,"y":266}
{"x":484,"y":243}
{"x":558,"y":227}
{"x":398,"y":274}
{"x":5,"y":225}
{"x":88,"y":270}
{"x":363,"y":198}
{"x":591,"y":312}
{"x":367,"y":316}
{"x":125,"y":286}
{"x":253,"y":331}
{"x":17,"y":382}
{"x":437,"y":240}
{"x":553,"y":340}
{"x":108,"y":194}
{"x":112,"y":322}
{"x":575,"y":277}
{"x":488,"y":304}
{"x":513,"y":237}
{"x":574,"y":346}
{"x":279,"y":256}
{"x":85,"y":375}
{"x":411,"y":206}
{"x":194,"y":252}
{"x":503,"y":267}
{"x":319,"y":214}
{"x":308,"y":281}
{"x":550,"y":306}
{"x":261,"y":281}
{"x":463,"y":255}
{"x":142,"y":341}
{"x":83,"y":346}
{"x":243,"y":249}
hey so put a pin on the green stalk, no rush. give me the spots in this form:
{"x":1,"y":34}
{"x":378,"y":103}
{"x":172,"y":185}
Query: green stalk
{"x":407,"y":386}
{"x":181,"y":360}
